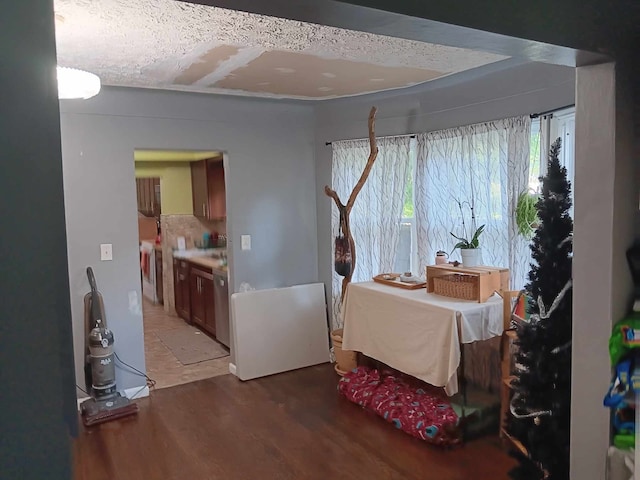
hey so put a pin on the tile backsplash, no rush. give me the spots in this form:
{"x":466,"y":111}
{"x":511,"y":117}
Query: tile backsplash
{"x":190,"y":227}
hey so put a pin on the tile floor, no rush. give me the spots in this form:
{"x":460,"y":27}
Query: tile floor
{"x":162,"y":365}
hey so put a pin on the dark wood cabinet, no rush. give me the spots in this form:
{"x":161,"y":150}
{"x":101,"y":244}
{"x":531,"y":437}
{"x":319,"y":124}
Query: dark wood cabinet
{"x":217,"y":192}
{"x":148,"y":195}
{"x":202,"y":307}
{"x":182,"y":288}
{"x":159,"y":277}
{"x":195,"y":295}
{"x":200,"y":189}
{"x":208,"y":189}
{"x":197,"y":302}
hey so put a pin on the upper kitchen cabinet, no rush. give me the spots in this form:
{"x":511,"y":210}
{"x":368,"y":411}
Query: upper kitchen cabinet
{"x":208,"y":187}
{"x":148,"y":193}
{"x":217,"y":191}
{"x":200,"y":189}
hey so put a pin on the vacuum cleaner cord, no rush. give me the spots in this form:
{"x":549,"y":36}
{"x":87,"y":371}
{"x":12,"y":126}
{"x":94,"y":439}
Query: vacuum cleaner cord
{"x":150,"y":382}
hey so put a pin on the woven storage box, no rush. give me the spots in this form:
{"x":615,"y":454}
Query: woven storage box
{"x":464,"y":287}
{"x":486,"y":281}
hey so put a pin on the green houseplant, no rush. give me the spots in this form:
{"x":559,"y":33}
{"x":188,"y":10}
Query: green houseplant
{"x":526,"y":213}
{"x":469,"y":245}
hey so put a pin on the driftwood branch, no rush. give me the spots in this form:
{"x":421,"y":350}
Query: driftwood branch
{"x":373,"y":153}
{"x":345,"y":210}
{"x":334,"y":195}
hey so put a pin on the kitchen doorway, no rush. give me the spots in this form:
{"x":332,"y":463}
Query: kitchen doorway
{"x":182,"y":234}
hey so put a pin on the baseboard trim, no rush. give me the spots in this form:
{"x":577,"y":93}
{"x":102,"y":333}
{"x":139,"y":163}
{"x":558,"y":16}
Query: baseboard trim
{"x":131,"y":393}
{"x":232,"y":369}
{"x":136,"y":392}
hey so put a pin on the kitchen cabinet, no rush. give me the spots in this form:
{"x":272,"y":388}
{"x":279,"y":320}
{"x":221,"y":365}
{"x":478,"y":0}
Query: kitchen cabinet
{"x":197,"y":302}
{"x":159,"y":277}
{"x":148,"y":195}
{"x":217,"y":191}
{"x":202,"y":299}
{"x":182,"y":288}
{"x":143,"y":195}
{"x":199,"y":189}
{"x":208,"y":189}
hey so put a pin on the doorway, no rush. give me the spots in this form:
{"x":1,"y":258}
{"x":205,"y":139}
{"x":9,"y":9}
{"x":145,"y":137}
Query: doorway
{"x":182,"y":236}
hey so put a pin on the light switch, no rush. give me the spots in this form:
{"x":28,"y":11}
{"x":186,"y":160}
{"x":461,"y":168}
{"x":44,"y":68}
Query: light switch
{"x":106,"y":252}
{"x":245,"y":242}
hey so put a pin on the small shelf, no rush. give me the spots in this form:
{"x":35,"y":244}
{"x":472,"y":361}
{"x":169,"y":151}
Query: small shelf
{"x":518,"y":320}
{"x":515,"y":442}
{"x":521,"y":448}
{"x":512,"y":334}
{"x":508,"y":380}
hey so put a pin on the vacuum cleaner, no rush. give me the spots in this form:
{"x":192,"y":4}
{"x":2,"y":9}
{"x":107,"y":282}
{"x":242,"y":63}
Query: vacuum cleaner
{"x":100,"y":371}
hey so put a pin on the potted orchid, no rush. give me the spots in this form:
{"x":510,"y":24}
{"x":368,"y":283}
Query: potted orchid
{"x":469,"y":245}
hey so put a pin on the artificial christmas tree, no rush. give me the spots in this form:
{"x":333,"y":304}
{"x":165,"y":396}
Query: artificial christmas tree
{"x":541,"y":401}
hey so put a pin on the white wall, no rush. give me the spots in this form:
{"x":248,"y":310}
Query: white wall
{"x":489,"y":93}
{"x":270,"y":194}
{"x":606,"y":206}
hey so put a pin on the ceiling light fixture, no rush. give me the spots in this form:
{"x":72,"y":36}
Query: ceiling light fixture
{"x":74,"y":83}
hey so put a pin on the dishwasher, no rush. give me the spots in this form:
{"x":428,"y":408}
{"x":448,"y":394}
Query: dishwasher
{"x":221,"y":305}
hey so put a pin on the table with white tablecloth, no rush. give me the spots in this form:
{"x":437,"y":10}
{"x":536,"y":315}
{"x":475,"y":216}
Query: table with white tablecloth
{"x":416,"y":332}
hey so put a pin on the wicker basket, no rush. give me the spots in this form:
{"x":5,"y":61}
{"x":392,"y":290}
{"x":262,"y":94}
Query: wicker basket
{"x":464,"y":287}
{"x":346,"y":360}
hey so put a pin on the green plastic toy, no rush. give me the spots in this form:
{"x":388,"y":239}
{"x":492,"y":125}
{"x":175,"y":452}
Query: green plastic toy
{"x":625,"y":337}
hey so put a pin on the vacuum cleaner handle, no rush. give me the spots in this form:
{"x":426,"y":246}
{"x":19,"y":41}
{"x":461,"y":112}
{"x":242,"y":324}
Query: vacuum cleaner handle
{"x":95,"y":301}
{"x":92,"y":280}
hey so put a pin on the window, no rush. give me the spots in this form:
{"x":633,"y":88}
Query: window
{"x":544,"y":131}
{"x":534,"y":157}
{"x":426,"y":176}
{"x":563,"y":125}
{"x":407,"y":255}
{"x":485,"y":165}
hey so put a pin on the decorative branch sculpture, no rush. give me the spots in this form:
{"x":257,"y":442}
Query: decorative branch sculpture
{"x":345,"y":210}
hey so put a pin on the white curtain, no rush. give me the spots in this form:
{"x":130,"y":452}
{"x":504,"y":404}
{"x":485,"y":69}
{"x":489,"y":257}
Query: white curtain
{"x":376,"y":214}
{"x":485,"y":165}
{"x":545,"y":141}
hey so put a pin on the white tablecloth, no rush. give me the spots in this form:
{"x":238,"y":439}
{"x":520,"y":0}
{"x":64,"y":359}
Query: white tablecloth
{"x":416,"y":332}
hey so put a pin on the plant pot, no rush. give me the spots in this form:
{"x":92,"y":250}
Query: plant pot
{"x":345,"y":359}
{"x":470,"y":257}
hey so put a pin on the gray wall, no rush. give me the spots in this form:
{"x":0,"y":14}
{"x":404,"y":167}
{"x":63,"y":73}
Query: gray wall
{"x":37,"y":403}
{"x":606,"y":205}
{"x":497,"y":91}
{"x":270,"y":193}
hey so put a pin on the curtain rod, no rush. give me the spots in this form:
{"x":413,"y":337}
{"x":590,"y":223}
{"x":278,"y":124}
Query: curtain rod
{"x":536,"y":115}
{"x":410,"y":135}
{"x":413,"y":135}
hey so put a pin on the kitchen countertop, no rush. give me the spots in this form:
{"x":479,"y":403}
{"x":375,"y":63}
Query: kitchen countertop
{"x":208,"y":262}
{"x":200,"y":253}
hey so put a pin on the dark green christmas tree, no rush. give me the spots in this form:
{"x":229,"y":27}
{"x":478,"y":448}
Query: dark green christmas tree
{"x":542,"y":388}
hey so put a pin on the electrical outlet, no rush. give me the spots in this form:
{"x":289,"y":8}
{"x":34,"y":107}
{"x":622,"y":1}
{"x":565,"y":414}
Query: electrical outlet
{"x":106,"y":252}
{"x":245,"y":242}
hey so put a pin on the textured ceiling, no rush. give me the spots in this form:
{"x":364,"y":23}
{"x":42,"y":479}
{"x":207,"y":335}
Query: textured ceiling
{"x":175,"y":45}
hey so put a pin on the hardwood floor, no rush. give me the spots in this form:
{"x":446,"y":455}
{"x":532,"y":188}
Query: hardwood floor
{"x":162,"y":365}
{"x":289,"y":426}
